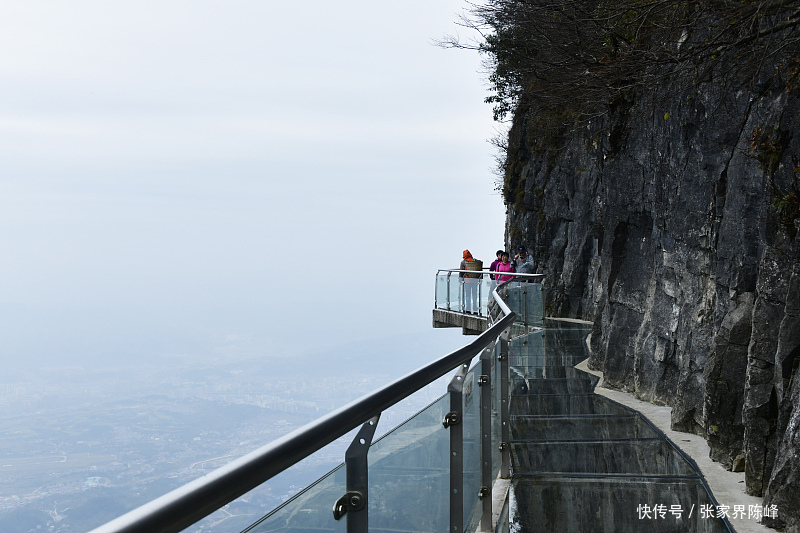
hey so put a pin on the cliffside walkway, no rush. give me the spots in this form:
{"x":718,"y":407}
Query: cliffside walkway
{"x":583,"y":462}
{"x":517,"y":413}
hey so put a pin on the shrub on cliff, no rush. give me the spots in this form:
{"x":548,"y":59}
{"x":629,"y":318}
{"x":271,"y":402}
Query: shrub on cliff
{"x":577,"y":56}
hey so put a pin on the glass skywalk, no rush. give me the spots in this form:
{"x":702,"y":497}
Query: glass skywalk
{"x":516,"y":407}
{"x":582,"y":462}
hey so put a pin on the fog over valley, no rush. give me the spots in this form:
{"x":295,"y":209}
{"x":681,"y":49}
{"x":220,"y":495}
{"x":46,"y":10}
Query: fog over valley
{"x":220,"y":221}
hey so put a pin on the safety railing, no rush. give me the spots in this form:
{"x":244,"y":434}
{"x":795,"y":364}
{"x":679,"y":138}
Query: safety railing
{"x":449,"y":452}
{"x":469,"y":292}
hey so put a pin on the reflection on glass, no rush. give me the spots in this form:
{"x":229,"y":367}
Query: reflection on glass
{"x":472,"y":447}
{"x":487,"y":286}
{"x":409,"y":483}
{"x":535,"y":308}
{"x":409,"y":474}
{"x":441,"y":290}
{"x":456,"y":293}
{"x":450,"y":292}
{"x":497,"y":422}
{"x":595,"y":458}
{"x":309,"y":510}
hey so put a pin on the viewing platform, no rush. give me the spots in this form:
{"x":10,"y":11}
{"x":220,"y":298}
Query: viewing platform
{"x":452,"y":310}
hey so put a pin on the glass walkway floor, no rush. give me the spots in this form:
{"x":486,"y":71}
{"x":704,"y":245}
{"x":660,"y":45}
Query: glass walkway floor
{"x":582,"y":462}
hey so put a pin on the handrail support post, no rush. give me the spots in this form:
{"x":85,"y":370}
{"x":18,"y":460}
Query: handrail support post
{"x":453,"y":422}
{"x":486,"y":438}
{"x":480,"y":282}
{"x":505,"y":417}
{"x":448,"y":290}
{"x":354,"y":504}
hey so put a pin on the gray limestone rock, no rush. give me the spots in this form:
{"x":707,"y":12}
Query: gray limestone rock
{"x":671,"y":234}
{"x":724,"y":376}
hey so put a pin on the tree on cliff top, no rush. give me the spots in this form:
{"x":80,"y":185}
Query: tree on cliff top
{"x":575,"y":57}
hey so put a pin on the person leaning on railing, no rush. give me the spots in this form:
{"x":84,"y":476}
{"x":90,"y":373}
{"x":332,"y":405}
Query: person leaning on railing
{"x":505,"y":266}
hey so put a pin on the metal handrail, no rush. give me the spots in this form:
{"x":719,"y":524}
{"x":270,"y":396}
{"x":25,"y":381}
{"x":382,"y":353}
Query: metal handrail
{"x":194,"y":501}
{"x":489,"y":272}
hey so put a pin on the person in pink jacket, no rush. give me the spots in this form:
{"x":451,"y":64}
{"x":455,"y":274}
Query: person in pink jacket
{"x":504,"y":266}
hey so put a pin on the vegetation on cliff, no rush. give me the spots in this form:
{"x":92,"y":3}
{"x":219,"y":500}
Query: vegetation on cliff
{"x":574,"y":55}
{"x":572,"y":60}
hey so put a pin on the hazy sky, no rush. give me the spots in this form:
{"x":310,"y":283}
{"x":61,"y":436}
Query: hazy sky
{"x":249,"y":171}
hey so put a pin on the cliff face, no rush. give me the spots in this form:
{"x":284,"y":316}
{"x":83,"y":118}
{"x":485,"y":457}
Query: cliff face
{"x":674,"y":228}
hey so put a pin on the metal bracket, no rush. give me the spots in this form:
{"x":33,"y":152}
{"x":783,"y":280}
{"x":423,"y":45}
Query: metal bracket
{"x":483,"y":492}
{"x":354,"y":502}
{"x":483,"y":380}
{"x":503,"y":446}
{"x":351,"y":501}
{"x":452,"y":418}
{"x":502,"y":357}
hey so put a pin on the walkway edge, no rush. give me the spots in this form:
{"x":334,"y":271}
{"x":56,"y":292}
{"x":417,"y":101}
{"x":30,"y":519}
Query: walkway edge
{"x":727,"y":487}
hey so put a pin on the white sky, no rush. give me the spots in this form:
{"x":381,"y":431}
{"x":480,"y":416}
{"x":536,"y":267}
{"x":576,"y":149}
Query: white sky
{"x":236,"y":166}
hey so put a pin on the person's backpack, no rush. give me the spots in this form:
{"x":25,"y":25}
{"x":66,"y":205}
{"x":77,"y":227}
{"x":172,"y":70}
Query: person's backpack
{"x":476,"y":265}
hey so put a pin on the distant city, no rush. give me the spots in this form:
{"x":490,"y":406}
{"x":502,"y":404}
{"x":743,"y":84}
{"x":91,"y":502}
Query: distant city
{"x":80,"y":447}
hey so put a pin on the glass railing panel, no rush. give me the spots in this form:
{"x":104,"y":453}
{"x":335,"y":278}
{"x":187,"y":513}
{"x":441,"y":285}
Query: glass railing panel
{"x":534,"y":303}
{"x":456,"y":293}
{"x":525,"y":299}
{"x":643,"y":457}
{"x":528,"y":351}
{"x":566,"y":404}
{"x":409,"y":474}
{"x":452,"y":292}
{"x":497,"y":422}
{"x":502,"y":291}
{"x":309,"y":510}
{"x":472,"y":448}
{"x":556,"y":386}
{"x":409,"y":479}
{"x":514,"y":300}
{"x":469,"y":290}
{"x":486,"y":288}
{"x":587,"y":427}
{"x":441,"y":290}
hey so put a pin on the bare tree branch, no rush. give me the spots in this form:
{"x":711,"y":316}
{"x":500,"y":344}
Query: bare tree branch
{"x":576,"y":56}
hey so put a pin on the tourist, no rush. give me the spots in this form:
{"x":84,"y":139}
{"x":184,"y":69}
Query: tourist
{"x":505,"y":266}
{"x":493,"y":266}
{"x":470,"y":282}
{"x":524,"y":263}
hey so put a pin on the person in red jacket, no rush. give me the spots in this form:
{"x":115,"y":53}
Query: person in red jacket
{"x":470,"y":285}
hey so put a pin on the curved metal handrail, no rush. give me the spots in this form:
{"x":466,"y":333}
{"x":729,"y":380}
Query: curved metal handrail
{"x":194,"y":501}
{"x":489,"y":272}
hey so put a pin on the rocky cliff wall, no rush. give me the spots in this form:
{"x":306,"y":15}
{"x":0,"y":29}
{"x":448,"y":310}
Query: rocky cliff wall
{"x":674,"y":228}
